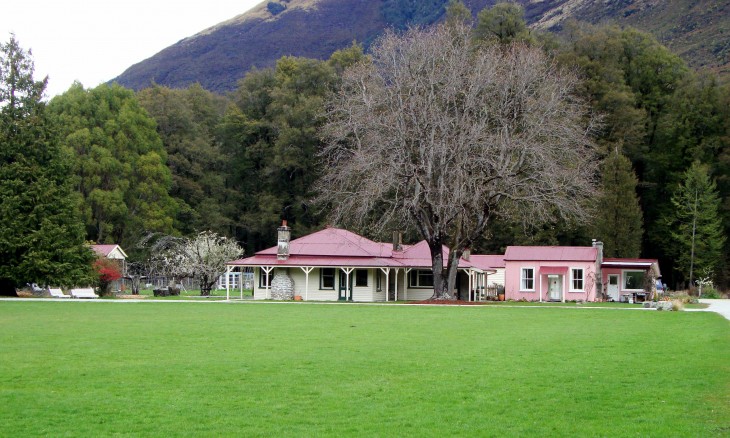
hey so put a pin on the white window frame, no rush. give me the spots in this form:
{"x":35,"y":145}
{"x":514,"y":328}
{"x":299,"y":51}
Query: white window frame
{"x":321,"y":277}
{"x":582,"y":280}
{"x":623,"y":280}
{"x":523,"y":278}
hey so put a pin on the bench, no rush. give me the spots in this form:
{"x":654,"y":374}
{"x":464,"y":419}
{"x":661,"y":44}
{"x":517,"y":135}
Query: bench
{"x":84,"y":292}
{"x":57,"y":293}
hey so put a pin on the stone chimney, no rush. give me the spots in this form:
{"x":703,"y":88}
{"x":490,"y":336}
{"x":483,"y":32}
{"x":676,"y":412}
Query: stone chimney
{"x":599,"y":272}
{"x":466,"y":255}
{"x":283,"y":237}
{"x":397,"y":241}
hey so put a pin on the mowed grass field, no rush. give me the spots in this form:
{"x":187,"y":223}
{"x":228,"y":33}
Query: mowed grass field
{"x":264,"y":369}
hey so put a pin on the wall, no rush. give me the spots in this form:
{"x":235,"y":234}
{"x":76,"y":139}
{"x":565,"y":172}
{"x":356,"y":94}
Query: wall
{"x":513,"y":281}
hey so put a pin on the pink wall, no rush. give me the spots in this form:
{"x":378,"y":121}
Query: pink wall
{"x":620,"y":273}
{"x":513,"y":281}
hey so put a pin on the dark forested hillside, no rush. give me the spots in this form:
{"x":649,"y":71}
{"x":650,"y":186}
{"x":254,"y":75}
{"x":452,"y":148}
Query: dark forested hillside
{"x":221,"y":55}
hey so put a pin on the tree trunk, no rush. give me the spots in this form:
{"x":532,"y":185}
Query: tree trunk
{"x":444,"y":280}
{"x":206,"y":286}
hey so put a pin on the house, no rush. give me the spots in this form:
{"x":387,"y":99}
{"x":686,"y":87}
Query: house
{"x":335,"y":264}
{"x":338,"y":265}
{"x":113,"y":252}
{"x":493,"y":262}
{"x":573,"y":273}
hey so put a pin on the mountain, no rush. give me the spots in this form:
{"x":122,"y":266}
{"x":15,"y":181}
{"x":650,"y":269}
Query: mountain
{"x":697,"y":30}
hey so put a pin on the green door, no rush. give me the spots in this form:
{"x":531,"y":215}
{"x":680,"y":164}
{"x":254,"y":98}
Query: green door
{"x":343,"y":296}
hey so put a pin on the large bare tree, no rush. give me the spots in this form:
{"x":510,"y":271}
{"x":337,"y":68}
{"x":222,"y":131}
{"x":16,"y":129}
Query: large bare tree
{"x":442,"y":133}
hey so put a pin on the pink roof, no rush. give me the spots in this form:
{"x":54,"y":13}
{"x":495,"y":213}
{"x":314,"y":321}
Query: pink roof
{"x":487,"y":261}
{"x":338,"y":247}
{"x":103,"y":250}
{"x":551,"y":253}
{"x":314,"y":261}
{"x":334,"y":242}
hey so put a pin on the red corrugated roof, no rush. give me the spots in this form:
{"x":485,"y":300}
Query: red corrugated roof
{"x":333,"y":242}
{"x":617,"y":260}
{"x":551,"y":253}
{"x":338,"y":247}
{"x":484,"y":261}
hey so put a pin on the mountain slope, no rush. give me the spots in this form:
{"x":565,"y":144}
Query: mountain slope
{"x":217,"y":57}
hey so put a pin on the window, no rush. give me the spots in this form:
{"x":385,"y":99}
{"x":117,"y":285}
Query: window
{"x":378,"y":280}
{"x":420,"y":278}
{"x":576,"y":279}
{"x":527,"y":279}
{"x":327,"y":278}
{"x":265,"y":283}
{"x":361,"y":277}
{"x":633,"y":280}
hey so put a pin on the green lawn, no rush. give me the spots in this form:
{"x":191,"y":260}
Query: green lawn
{"x":265,"y":369}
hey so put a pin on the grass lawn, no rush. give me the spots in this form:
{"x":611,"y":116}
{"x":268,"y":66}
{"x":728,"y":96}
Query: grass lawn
{"x":265,"y":369}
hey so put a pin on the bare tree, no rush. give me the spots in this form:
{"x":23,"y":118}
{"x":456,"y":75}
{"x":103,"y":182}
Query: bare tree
{"x":442,"y":134}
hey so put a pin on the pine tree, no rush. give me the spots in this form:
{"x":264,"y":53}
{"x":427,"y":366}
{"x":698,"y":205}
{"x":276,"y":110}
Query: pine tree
{"x":41,"y":237}
{"x":697,"y":233}
{"x":618,"y":220}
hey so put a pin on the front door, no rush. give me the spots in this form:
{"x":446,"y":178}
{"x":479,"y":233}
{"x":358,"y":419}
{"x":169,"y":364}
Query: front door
{"x":345,"y":292}
{"x":612,"y":289}
{"x":555,"y":287}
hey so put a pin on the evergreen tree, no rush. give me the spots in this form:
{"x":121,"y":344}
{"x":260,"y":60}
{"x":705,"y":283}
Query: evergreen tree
{"x":41,"y":237}
{"x":504,"y":22}
{"x":270,"y":133}
{"x":618,"y":219}
{"x":186,"y":122}
{"x":120,"y":163}
{"x":696,"y":228}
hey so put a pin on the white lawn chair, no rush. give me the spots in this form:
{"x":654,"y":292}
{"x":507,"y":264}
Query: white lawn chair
{"x":84,"y":292}
{"x":57,"y":293}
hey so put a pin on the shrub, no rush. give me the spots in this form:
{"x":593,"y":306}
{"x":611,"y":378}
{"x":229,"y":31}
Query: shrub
{"x":683,"y":296}
{"x":107,"y":271}
{"x":710,"y":292}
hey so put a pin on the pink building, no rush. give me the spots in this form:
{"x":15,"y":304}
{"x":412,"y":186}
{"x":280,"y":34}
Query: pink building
{"x":575,"y":273}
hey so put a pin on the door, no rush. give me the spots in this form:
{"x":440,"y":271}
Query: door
{"x":345,"y":292}
{"x":612,"y":288}
{"x":555,"y":287}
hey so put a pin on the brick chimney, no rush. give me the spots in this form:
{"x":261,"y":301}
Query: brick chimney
{"x":397,"y":241}
{"x":283,"y":237}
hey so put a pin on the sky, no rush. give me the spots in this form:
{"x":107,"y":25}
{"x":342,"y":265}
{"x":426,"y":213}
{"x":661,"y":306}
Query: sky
{"x":94,"y":41}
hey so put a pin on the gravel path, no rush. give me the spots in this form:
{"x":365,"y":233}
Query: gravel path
{"x":720,"y":306}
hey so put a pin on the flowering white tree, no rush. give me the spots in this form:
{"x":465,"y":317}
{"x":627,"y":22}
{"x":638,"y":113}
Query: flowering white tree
{"x":204,"y":258}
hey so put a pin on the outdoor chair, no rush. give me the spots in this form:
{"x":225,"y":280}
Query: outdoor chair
{"x":85,"y":292}
{"x":57,"y":293}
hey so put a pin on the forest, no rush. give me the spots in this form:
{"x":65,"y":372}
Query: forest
{"x":181,"y":161}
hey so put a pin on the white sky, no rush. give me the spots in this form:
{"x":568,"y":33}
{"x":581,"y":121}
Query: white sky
{"x":93,"y":41}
